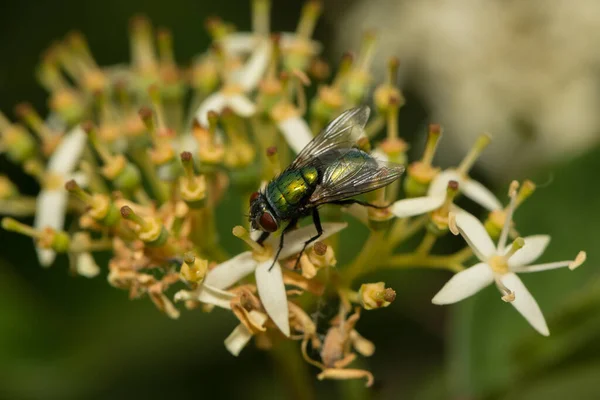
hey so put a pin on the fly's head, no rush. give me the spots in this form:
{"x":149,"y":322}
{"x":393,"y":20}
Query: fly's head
{"x":261,"y":216}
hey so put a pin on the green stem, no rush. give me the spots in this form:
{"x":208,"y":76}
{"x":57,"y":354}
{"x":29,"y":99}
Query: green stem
{"x":402,"y":229}
{"x":426,"y":244}
{"x":463,"y":255}
{"x":362,"y":262}
{"x":419,"y":260}
{"x":158,"y":187}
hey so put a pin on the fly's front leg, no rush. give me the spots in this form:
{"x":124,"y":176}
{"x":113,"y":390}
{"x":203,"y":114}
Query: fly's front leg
{"x":263,"y":237}
{"x":288,"y":228}
{"x":317,"y":222}
{"x":362,"y":203}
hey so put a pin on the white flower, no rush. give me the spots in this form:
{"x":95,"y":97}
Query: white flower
{"x":412,"y":207}
{"x":500,"y":265}
{"x":417,"y":205}
{"x":238,"y":83}
{"x":271,"y":288}
{"x":469,"y":187}
{"x":241,"y":335}
{"x":85,"y":265}
{"x":52,"y":201}
{"x":296,"y":131}
{"x":241,"y":43}
{"x":206,"y":294}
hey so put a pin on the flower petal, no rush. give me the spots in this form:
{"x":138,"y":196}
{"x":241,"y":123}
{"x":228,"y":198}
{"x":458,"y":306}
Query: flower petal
{"x":271,"y":291}
{"x":45,"y":256}
{"x":239,"y":338}
{"x":476,"y":236}
{"x":289,"y":39}
{"x":70,"y":149}
{"x":464,"y":284}
{"x":239,"y":42}
{"x":294,"y":240}
{"x":525,"y":303}
{"x":231,"y":271}
{"x":241,"y":105}
{"x":86,"y":265}
{"x":51,"y":207}
{"x":533,"y":249}
{"x":207,"y":294}
{"x":296,"y":132}
{"x":215,"y":102}
{"x":480,"y":194}
{"x":439,"y":185}
{"x":50,"y":212}
{"x":417,"y":206}
{"x":254,"y":69}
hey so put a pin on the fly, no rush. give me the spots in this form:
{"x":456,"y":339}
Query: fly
{"x":331,"y":169}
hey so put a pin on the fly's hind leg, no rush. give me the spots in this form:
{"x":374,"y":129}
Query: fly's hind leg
{"x":362,"y":203}
{"x":317,"y":222}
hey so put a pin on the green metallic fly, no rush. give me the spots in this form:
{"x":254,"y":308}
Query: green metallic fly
{"x":331,"y":169}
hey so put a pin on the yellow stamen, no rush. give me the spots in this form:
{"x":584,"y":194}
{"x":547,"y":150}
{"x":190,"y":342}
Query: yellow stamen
{"x":128,"y":214}
{"x":101,"y":149}
{"x":241,"y":233}
{"x":579,"y":259}
{"x":261,"y":10}
{"x":343,"y":70}
{"x":526,"y":190}
{"x":467,"y":163}
{"x":273,"y":157}
{"x":310,"y":13}
{"x":165,"y":46}
{"x":13,"y":225}
{"x":392,"y":121}
{"x":516,"y":246}
{"x":433,"y":138}
{"x":33,"y":120}
{"x":367,"y":51}
{"x":72,"y":187}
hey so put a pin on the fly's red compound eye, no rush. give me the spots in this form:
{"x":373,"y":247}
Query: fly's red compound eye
{"x":253,"y":197}
{"x":267,"y":222}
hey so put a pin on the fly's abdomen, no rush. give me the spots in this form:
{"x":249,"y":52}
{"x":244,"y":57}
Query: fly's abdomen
{"x":292,"y":189}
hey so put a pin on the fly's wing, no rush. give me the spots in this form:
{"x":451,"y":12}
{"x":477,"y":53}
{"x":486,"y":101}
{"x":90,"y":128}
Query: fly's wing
{"x":353,"y":177}
{"x":341,"y":133}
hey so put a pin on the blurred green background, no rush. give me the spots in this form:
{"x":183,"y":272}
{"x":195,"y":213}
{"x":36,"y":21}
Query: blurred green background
{"x":64,"y":337}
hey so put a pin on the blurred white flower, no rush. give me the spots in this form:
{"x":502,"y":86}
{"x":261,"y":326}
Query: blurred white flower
{"x":238,"y":83}
{"x":522,"y":70}
{"x":51,"y":205}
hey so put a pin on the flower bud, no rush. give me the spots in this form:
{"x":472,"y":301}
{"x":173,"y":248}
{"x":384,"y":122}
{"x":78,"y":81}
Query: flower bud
{"x":193,"y":269}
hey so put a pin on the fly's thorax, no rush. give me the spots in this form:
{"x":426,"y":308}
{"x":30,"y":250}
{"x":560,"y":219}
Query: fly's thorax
{"x":292,"y":189}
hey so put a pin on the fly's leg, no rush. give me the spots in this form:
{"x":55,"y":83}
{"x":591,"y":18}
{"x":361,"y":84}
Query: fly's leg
{"x":263,"y":237}
{"x":362,"y":203}
{"x":317,"y":222}
{"x":288,"y":228}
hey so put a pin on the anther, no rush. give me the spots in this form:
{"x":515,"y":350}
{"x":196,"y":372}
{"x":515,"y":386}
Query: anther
{"x":128,"y":214}
{"x":579,"y":259}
